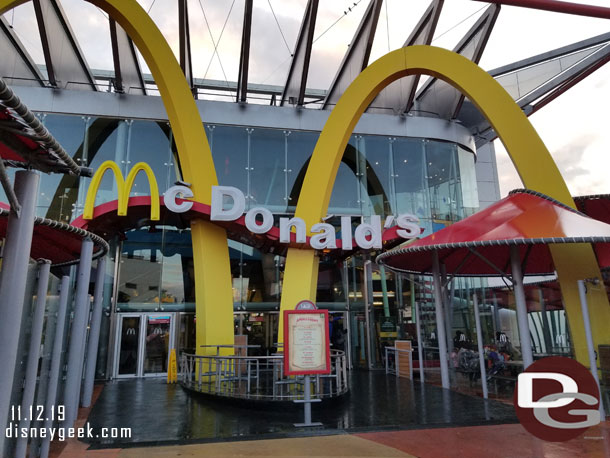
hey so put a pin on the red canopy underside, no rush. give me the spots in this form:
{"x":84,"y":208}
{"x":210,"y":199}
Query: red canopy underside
{"x":524,"y":219}
{"x":52,"y":243}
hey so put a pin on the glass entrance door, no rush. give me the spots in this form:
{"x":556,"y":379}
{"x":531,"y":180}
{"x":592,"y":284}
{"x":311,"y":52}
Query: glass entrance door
{"x":143,"y":344}
{"x":128,"y":346}
{"x":156,"y":344}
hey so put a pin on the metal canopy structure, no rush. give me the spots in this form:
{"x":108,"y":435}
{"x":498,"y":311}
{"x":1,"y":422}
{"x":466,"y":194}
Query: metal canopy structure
{"x":533,"y":82}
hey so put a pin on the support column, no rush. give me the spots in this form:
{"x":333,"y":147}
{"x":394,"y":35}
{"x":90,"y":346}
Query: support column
{"x":94,"y":333}
{"x":54,"y":372}
{"x":78,"y":333}
{"x":440,"y":321}
{"x":524,"y":327}
{"x":582,"y":290}
{"x":546,"y":331}
{"x":31,"y":370}
{"x":420,"y":343}
{"x":477,"y":321}
{"x":12,"y":285}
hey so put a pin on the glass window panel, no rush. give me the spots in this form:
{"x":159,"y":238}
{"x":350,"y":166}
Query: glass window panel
{"x":267,"y":169}
{"x":149,"y":143}
{"x":375,"y":150}
{"x":468,"y":181}
{"x":230,"y":152}
{"x":177,"y":280}
{"x":410,"y":183}
{"x":300,"y":149}
{"x":59,"y":192}
{"x":442,"y":181}
{"x":106,"y":141}
{"x":345,"y":198}
{"x":140,"y":271}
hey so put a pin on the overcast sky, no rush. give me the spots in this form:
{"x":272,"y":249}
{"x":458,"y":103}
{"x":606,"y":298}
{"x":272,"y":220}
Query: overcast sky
{"x":574,"y":127}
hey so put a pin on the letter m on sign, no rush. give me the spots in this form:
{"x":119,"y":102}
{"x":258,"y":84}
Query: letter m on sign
{"x":123,"y":188}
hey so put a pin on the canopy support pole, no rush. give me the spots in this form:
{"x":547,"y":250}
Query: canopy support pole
{"x":78,"y":335}
{"x":440,"y":321}
{"x":94,"y":333}
{"x":29,"y":388}
{"x":524,"y":329}
{"x":582,"y":290}
{"x":15,"y":261}
{"x":420,"y":342}
{"x":477,"y":320}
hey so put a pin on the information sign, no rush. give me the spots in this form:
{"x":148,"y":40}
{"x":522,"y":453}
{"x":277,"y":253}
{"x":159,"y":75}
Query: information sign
{"x":306,"y":342}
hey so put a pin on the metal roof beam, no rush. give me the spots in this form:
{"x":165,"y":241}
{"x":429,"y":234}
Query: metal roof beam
{"x":296,"y":82}
{"x":399,"y":95}
{"x":128,"y":76}
{"x":544,"y":57}
{"x":549,"y":91}
{"x":244,"y":56}
{"x":439,"y":97}
{"x":66,"y":64}
{"x":357,"y":56}
{"x":184,"y":34}
{"x":16,"y":63}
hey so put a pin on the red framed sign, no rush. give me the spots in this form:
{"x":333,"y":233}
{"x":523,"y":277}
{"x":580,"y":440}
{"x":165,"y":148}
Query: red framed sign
{"x":306,"y":342}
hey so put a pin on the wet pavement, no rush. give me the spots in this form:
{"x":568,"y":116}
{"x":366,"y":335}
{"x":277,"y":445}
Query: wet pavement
{"x":161,"y":414}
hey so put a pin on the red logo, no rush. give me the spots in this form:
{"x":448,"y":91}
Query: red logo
{"x":557,"y":399}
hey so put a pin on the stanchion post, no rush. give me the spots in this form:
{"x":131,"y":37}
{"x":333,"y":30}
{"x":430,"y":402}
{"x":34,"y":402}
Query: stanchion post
{"x":582,"y":290}
{"x":440,"y":321}
{"x":477,"y":320}
{"x":94,"y":333}
{"x":16,"y":257}
{"x":521,"y":305}
{"x":78,"y":333}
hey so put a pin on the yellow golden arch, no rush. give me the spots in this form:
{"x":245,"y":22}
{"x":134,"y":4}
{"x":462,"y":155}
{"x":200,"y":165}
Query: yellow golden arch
{"x":123,"y":188}
{"x":210,"y":252}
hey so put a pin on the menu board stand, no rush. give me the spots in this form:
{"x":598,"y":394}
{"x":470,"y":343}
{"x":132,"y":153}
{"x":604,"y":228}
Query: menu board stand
{"x":306,"y":350}
{"x":306,"y":401}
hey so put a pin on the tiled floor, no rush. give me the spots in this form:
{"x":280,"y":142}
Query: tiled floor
{"x":160,"y":414}
{"x":383,"y":417}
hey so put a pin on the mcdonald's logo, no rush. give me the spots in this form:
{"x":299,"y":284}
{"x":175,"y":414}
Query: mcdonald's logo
{"x":123,"y":188}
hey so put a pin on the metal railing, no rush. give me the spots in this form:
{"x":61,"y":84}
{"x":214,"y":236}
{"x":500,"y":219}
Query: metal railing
{"x":392,"y":360}
{"x":258,"y":377}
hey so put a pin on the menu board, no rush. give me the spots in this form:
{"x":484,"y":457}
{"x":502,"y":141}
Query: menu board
{"x":306,"y":343}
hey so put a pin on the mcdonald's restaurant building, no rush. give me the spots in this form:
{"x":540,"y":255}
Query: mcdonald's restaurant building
{"x":434,"y":160}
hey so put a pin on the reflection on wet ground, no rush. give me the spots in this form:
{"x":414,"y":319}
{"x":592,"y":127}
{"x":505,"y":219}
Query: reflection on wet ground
{"x":158,"y":413}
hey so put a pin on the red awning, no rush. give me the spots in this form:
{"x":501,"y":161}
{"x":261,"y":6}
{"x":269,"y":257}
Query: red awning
{"x":480,"y":244}
{"x":58,"y":242}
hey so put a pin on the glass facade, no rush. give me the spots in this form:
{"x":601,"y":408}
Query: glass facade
{"x":383,"y":175}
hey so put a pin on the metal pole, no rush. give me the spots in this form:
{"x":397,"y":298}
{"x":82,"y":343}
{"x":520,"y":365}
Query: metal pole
{"x":367,"y":285}
{"x":477,"y":321}
{"x":55,"y":361}
{"x":546,"y":330}
{"x":34,"y":353}
{"x":94,"y":333}
{"x":384,"y":291}
{"x":582,"y":290}
{"x":524,"y":328}
{"x":420,"y":344}
{"x":440,"y":321}
{"x":12,"y":285}
{"x":306,"y":401}
{"x":78,"y":333}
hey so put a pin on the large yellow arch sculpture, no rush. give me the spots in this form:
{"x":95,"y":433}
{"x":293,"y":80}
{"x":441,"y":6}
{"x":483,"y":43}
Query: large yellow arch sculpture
{"x":527,"y":151}
{"x":213,"y":289}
